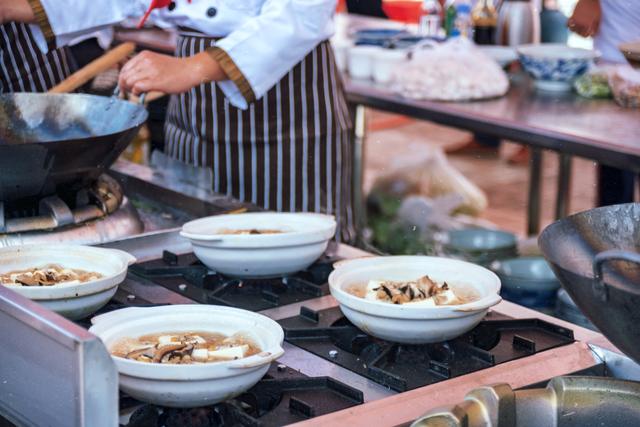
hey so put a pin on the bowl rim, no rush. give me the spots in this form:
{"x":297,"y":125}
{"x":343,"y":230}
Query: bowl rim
{"x":468,"y":249}
{"x":322,"y":227}
{"x":408,"y":311}
{"x":547,"y":51}
{"x":497,"y":264}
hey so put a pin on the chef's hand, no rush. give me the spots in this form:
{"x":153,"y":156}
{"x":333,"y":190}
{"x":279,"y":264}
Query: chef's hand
{"x":585,"y":20}
{"x":16,"y":11}
{"x":149,"y":71}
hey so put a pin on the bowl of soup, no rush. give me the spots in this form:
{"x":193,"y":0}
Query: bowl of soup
{"x":188,"y":355}
{"x":414,"y":299}
{"x":260,"y":244}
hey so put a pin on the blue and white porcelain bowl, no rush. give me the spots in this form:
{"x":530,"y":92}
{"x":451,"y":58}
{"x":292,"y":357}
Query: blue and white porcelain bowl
{"x":555,"y":66}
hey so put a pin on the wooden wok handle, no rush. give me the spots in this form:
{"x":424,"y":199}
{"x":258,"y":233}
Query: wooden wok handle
{"x":86,"y":73}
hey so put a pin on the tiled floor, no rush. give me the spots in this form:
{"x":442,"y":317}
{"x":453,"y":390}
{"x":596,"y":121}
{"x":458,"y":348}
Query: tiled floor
{"x":506,"y":185}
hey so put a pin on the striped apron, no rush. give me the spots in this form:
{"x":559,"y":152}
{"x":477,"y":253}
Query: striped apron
{"x":23,"y":67}
{"x":289,"y":151}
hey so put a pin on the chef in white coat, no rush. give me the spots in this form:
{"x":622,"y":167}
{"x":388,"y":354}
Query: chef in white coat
{"x":257,"y":99}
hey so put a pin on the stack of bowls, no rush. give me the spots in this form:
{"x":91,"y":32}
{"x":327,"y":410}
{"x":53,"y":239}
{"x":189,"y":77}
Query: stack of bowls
{"x":528,"y":281}
{"x":481,"y":246}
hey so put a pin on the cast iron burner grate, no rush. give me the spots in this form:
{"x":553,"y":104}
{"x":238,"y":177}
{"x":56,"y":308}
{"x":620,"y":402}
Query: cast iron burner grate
{"x":284,"y":396}
{"x":188,"y":276}
{"x":497,"y":339}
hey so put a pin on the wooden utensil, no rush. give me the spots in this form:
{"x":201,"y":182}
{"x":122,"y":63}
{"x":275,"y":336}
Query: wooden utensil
{"x":88,"y":72}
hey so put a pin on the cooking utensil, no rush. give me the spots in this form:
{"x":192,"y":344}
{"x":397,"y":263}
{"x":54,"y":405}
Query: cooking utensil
{"x":108,"y":60}
{"x":410,"y":323}
{"x":565,"y":402}
{"x":518,"y":23}
{"x":74,"y":301}
{"x":595,"y":256}
{"x":303,"y":239}
{"x":197,"y":384}
{"x":59,"y":143}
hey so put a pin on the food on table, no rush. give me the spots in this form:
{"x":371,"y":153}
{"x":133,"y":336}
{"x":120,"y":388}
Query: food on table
{"x":593,"y":85}
{"x":249,"y":231}
{"x":625,"y":85}
{"x":48,"y":275}
{"x":451,"y":71}
{"x":185,"y":348}
{"x":423,"y":291}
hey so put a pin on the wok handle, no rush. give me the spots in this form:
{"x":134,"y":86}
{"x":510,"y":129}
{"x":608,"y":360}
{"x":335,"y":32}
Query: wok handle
{"x":92,"y":69}
{"x":599,"y":286}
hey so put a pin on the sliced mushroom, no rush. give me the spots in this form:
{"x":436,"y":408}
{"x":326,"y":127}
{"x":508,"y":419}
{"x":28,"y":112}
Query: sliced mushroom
{"x":166,"y":350}
{"x":143,"y":351}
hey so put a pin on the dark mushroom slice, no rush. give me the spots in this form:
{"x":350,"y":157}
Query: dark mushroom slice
{"x":166,"y":350}
{"x":145,"y":351}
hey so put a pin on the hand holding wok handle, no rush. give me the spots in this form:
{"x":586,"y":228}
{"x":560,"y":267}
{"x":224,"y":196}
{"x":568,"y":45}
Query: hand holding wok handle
{"x":110,"y":59}
{"x":599,"y":286}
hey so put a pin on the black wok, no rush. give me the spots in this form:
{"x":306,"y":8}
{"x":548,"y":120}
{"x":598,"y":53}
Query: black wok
{"x":595,"y":254}
{"x":59,"y":143}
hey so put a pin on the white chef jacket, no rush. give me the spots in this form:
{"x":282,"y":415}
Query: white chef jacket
{"x":263,"y":38}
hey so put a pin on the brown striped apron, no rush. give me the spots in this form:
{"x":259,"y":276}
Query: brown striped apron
{"x":289,"y":151}
{"x":23,"y":67}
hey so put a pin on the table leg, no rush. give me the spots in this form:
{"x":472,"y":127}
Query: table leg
{"x":535,"y":192}
{"x":357,"y":163}
{"x":564,"y":184}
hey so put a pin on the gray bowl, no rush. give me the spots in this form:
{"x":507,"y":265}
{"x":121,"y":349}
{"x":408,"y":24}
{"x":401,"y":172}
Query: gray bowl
{"x":481,"y":246}
{"x":531,"y":274}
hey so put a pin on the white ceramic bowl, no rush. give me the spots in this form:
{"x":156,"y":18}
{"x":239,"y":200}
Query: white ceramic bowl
{"x":555,"y":66}
{"x":407,"y":323}
{"x":304,"y":239}
{"x":190,"y":385}
{"x":74,"y":301}
{"x":386,"y":62}
{"x":361,"y":60}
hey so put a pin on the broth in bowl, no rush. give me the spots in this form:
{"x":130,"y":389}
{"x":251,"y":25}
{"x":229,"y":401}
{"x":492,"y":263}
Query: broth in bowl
{"x":423,"y":291}
{"x":185,"y":348}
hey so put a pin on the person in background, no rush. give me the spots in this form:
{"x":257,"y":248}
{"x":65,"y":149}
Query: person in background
{"x":257,"y":110}
{"x":610,"y":23}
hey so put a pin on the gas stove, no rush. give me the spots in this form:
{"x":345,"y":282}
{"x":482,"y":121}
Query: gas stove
{"x":331,"y":373}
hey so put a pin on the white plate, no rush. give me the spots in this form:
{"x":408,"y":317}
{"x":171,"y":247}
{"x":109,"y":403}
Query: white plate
{"x":304,"y":239}
{"x":410,"y":323}
{"x":73,"y":301}
{"x":197,"y":384}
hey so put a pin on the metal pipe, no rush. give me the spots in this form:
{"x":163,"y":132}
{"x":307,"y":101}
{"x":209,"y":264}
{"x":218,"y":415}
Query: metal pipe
{"x":358,"y":115}
{"x":535,"y":192}
{"x":564,"y":187}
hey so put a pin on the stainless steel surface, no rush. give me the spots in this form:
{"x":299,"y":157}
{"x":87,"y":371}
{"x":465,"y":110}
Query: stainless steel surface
{"x":124,"y":222}
{"x":618,"y":365}
{"x":518,"y":23}
{"x":358,"y":115}
{"x":564,"y":185}
{"x":535,"y":192}
{"x":53,"y":372}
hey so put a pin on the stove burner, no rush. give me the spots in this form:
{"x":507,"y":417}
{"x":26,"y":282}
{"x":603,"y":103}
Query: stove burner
{"x":497,"y":339}
{"x":57,"y":211}
{"x":186,"y":275}
{"x":284,"y":396}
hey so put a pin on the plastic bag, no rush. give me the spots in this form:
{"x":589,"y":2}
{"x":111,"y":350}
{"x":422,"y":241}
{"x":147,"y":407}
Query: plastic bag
{"x":451,"y":71}
{"x":428,"y":173}
{"x":625,"y":85}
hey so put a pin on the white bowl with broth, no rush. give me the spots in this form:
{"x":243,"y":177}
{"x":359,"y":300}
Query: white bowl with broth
{"x":260,"y":245}
{"x":71,"y":300}
{"x":414,"y":323}
{"x":189,"y":385}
